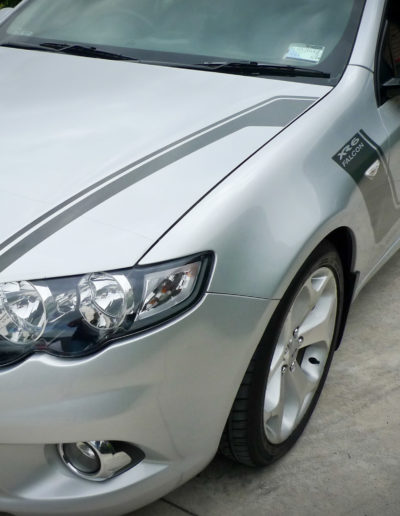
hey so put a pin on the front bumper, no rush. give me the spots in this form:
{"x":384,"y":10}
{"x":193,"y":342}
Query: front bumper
{"x":168,"y":392}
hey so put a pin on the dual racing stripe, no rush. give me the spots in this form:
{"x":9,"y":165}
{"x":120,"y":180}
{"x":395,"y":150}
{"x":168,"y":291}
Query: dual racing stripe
{"x":365,"y":162}
{"x":275,"y":112}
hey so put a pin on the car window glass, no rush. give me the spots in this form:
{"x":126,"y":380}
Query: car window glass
{"x":289,"y":32}
{"x":392,"y":42}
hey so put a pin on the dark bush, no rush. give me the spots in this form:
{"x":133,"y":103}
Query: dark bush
{"x":8,"y":3}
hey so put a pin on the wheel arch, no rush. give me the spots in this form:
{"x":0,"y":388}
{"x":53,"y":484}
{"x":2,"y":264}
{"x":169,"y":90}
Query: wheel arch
{"x":344,"y":242}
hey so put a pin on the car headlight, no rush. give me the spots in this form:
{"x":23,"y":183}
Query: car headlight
{"x":76,"y":316}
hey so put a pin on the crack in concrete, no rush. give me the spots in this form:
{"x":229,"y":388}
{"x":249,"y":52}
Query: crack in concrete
{"x":179,"y":507}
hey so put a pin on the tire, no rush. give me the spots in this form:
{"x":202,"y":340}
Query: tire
{"x":288,"y":370}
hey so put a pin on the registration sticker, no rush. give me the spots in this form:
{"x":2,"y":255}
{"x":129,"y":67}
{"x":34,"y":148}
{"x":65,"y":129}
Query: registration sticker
{"x":303,"y":52}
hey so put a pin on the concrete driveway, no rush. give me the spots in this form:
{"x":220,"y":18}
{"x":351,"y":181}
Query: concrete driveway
{"x":348,"y":459}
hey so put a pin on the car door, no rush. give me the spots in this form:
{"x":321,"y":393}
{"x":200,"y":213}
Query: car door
{"x":388,"y":99}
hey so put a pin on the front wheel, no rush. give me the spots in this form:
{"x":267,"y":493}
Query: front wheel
{"x":286,"y":375}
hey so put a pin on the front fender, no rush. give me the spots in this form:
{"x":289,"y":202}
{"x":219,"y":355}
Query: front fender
{"x":266,"y":218}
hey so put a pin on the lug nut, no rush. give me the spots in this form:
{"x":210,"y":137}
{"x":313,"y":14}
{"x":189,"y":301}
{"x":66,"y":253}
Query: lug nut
{"x":284,"y":369}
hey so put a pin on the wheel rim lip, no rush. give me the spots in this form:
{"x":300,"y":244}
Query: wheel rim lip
{"x":290,"y":423}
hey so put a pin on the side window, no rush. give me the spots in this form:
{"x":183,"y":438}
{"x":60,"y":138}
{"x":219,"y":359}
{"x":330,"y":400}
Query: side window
{"x":388,"y":70}
{"x":393,"y":39}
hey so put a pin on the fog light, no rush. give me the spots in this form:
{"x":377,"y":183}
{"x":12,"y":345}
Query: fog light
{"x":82,"y":457}
{"x":99,"y":460}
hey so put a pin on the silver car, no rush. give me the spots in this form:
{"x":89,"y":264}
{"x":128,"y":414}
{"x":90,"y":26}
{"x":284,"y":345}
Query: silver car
{"x":192,"y":194}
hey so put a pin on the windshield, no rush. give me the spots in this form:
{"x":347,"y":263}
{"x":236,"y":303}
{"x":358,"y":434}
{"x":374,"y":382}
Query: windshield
{"x":301,"y":33}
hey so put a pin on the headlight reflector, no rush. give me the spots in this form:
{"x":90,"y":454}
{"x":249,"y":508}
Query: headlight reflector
{"x":22,"y":312}
{"x":78,"y":315}
{"x":105,"y":299}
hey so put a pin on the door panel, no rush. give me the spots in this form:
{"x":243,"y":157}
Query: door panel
{"x":390,"y":115}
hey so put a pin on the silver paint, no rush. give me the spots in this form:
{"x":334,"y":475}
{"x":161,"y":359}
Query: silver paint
{"x":68,"y":123}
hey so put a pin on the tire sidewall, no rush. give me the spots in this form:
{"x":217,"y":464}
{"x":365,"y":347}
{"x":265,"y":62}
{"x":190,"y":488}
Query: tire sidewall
{"x":261,"y":449}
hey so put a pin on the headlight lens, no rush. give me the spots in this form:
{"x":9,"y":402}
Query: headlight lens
{"x":79,"y":315}
{"x":22,"y":311}
{"x":167,"y":290}
{"x":105,"y":299}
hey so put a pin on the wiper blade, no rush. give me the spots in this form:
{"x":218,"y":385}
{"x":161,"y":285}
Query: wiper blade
{"x":243,"y":68}
{"x":256,"y":68}
{"x":85,"y":51}
{"x":66,"y":48}
{"x":25,"y":46}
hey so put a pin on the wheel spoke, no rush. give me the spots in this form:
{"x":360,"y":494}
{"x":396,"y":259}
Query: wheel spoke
{"x":276,"y":364}
{"x":318,"y":325}
{"x":317,"y":285}
{"x":287,"y":328}
{"x":310,"y":294}
{"x":299,"y":393}
{"x":280,"y":410}
{"x":273,"y":394}
{"x":300,"y":308}
{"x":273,"y":416}
{"x":302,"y":385}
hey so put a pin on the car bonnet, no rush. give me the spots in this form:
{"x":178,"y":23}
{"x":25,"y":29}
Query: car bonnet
{"x":98,"y":159}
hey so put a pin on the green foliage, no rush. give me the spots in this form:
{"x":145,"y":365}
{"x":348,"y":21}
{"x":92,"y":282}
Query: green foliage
{"x":8,"y":3}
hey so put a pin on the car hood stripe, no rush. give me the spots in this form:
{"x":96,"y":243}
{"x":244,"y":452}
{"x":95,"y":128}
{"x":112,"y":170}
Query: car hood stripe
{"x":277,"y":112}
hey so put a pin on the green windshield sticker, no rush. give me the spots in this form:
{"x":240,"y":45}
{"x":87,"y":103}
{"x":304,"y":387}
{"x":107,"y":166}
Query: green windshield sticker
{"x":302,"y":52}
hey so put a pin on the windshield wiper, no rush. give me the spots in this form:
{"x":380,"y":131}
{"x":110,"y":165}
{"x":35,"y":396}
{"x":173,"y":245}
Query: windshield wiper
{"x":253,"y":68}
{"x":66,"y":48}
{"x":85,"y":51}
{"x":25,"y":46}
{"x":256,"y":68}
{"x":240,"y":67}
